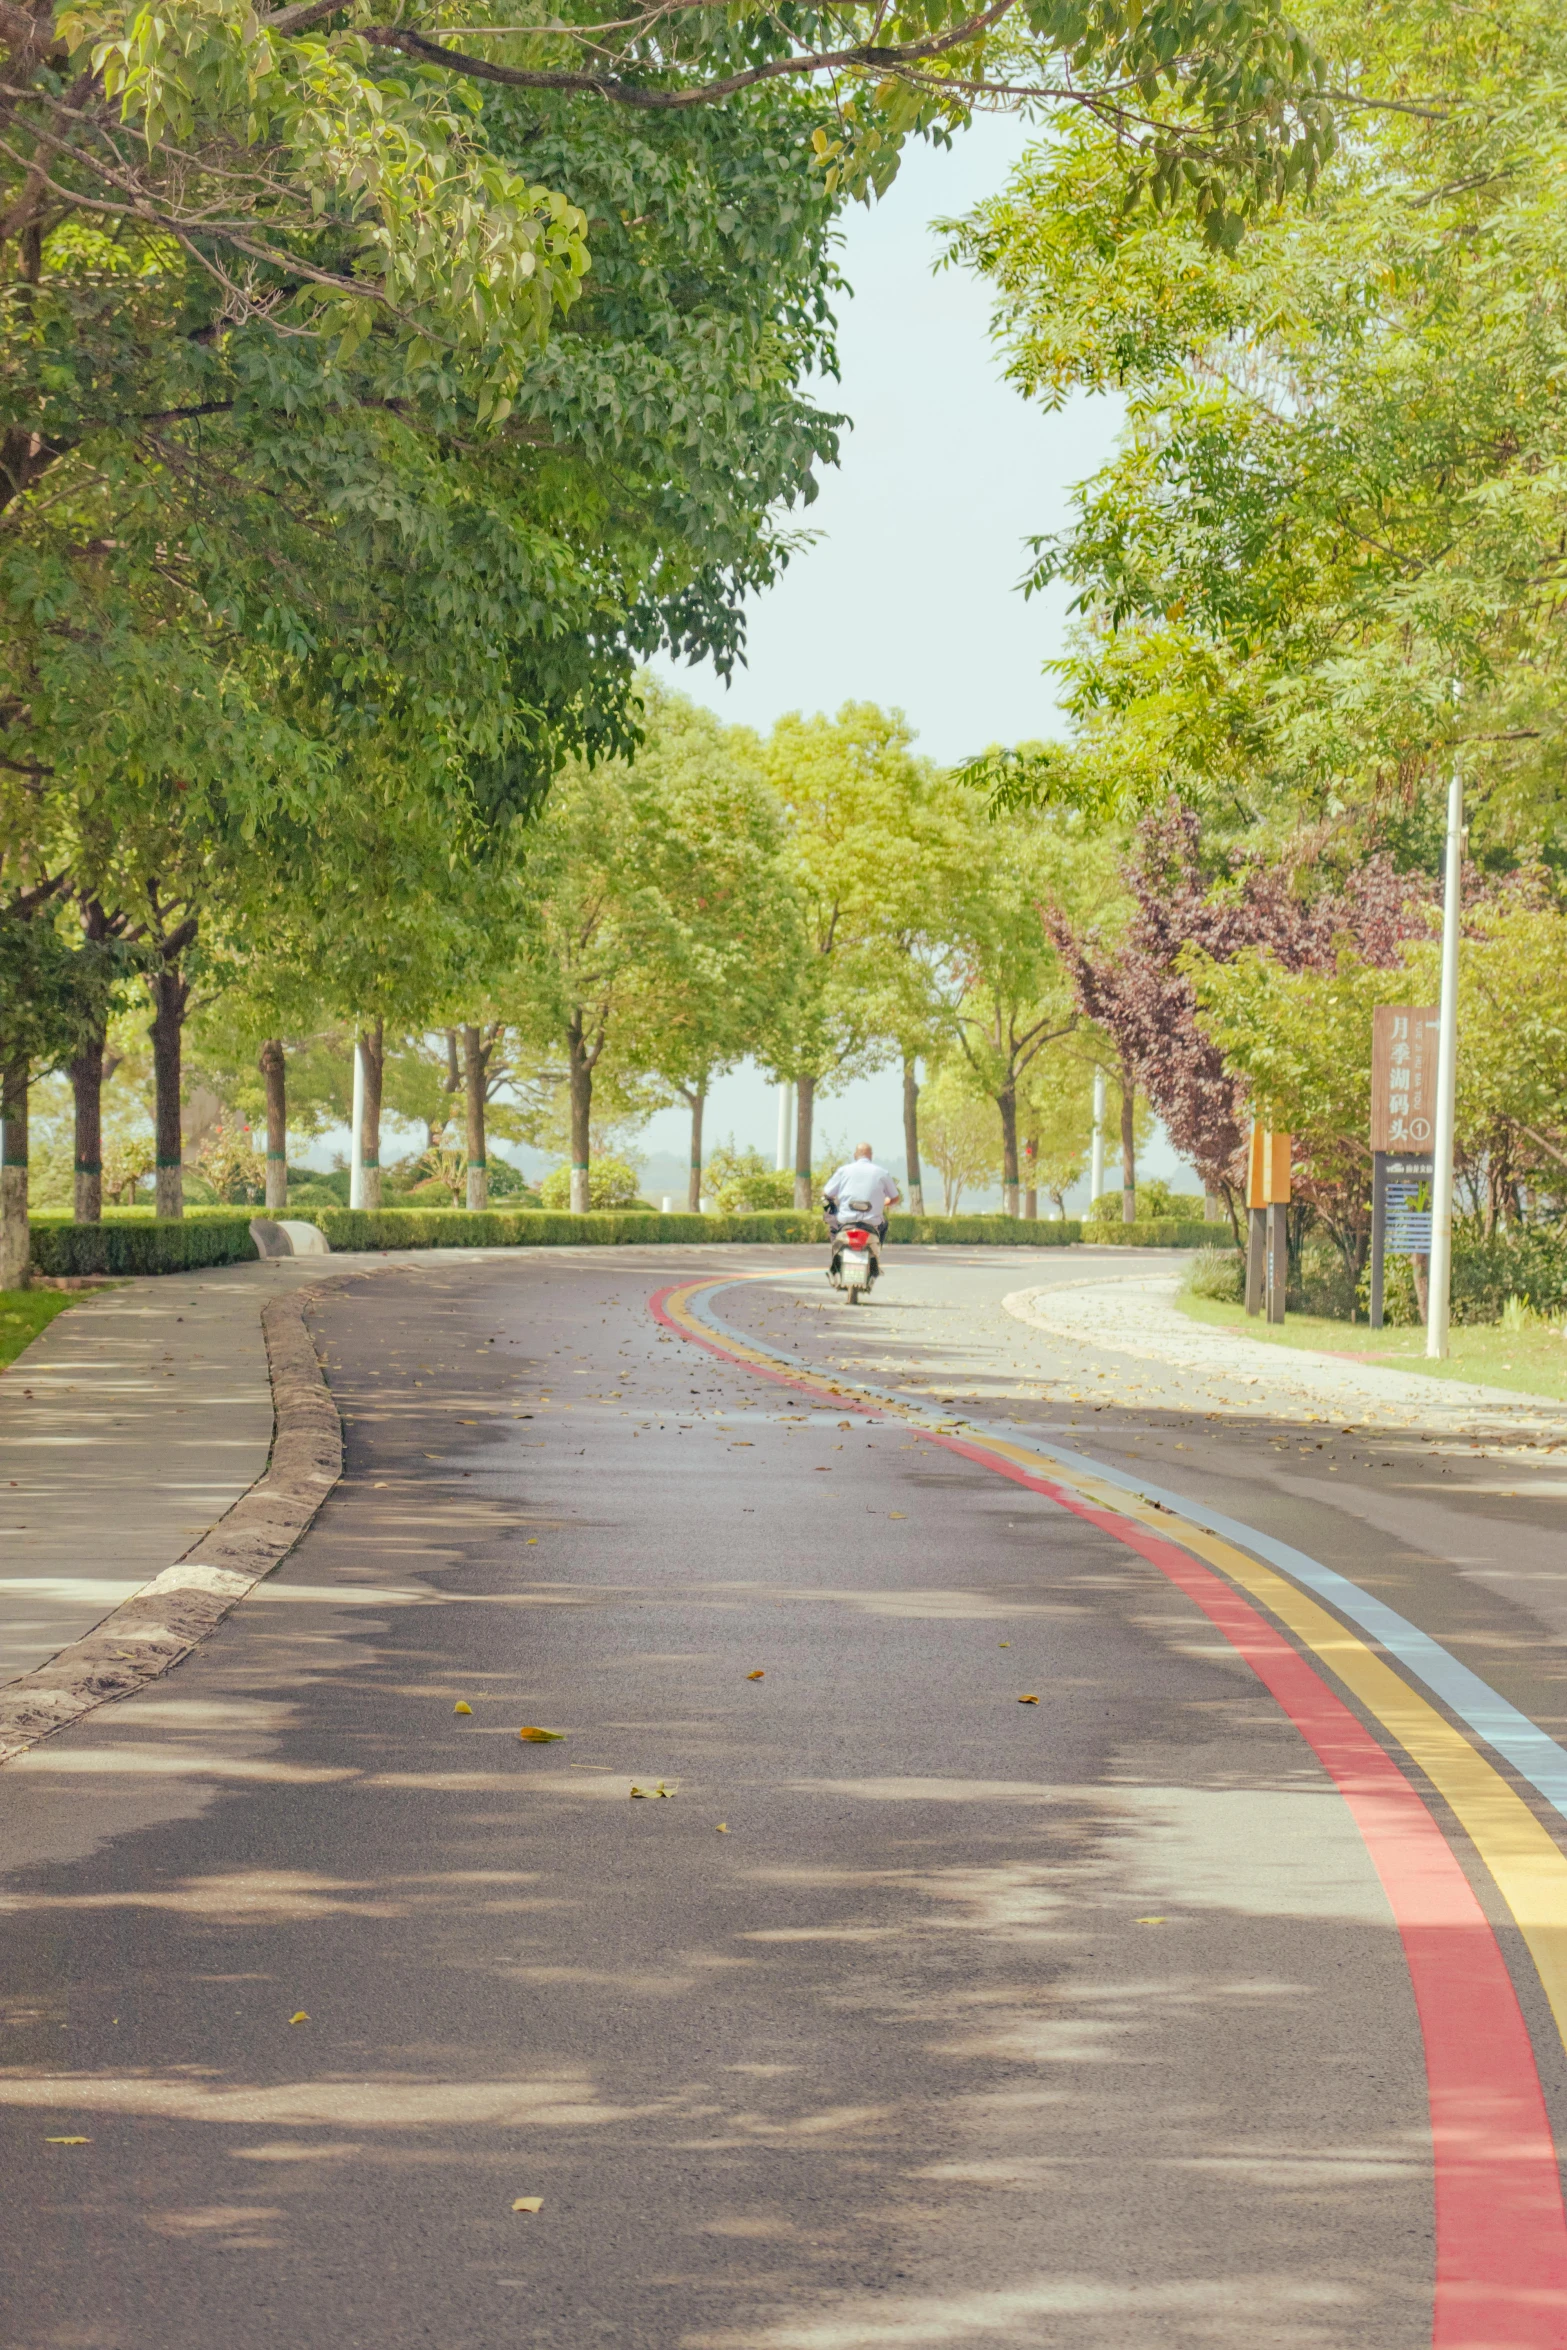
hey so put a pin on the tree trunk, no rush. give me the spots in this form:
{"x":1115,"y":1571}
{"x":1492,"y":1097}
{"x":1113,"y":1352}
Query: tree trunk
{"x":804,"y":1112}
{"x":474,"y":1063}
{"x":274,"y":1069}
{"x":698,"y":1101}
{"x":1006,"y":1103}
{"x":373,"y":1043}
{"x":579,"y":1070}
{"x":1031,"y":1177}
{"x":1128,"y":1150}
{"x":87,"y":1075}
{"x":16,"y":1246}
{"x":911,"y":1136}
{"x":170,"y":995}
{"x":1422,"y":1271}
{"x":87,"y":1087}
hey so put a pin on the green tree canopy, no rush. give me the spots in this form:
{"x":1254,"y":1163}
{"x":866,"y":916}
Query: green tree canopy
{"x":1341,"y":484}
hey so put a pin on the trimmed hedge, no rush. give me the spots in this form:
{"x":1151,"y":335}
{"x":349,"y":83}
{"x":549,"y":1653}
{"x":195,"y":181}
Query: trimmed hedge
{"x":206,"y":1236}
{"x":386,"y":1228}
{"x":389,"y":1228}
{"x":982,"y":1231}
{"x":1163,"y":1232}
{"x":221,"y":1236}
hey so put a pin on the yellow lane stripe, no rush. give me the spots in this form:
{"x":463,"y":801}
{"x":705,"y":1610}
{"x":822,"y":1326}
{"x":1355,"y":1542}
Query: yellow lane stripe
{"x":1526,"y":1864}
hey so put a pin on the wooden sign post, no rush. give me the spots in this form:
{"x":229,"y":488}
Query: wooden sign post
{"x":1403,"y":1128}
{"x":1267,"y":1238}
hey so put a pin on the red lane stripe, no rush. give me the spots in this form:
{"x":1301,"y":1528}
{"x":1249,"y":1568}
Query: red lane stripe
{"x":1501,"y":2231}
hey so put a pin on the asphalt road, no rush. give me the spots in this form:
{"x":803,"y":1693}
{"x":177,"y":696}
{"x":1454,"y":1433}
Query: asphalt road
{"x":911,"y":2015}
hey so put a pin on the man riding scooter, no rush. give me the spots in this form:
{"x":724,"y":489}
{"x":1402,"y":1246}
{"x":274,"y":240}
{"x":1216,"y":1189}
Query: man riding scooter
{"x":856,"y":1201}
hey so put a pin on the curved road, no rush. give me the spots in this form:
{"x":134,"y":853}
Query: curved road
{"x":1210,"y":2000}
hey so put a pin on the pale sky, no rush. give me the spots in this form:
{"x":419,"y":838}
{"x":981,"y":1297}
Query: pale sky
{"x":909,"y":597}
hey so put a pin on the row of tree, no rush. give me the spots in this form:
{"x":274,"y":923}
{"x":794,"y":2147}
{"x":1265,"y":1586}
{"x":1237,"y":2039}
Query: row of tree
{"x":1324,"y":565}
{"x":822,"y":902}
{"x":825,"y":902}
{"x":359,"y":439}
{"x":375,"y":397}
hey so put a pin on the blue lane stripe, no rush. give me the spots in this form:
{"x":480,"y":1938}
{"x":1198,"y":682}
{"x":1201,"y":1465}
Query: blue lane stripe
{"x":1533,"y":1753}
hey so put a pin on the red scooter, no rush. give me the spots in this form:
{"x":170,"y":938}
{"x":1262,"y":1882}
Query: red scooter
{"x":855,"y":1263}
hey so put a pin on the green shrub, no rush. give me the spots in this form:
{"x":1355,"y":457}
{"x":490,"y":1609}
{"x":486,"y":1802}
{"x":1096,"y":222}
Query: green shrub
{"x":392,"y":1228}
{"x":133,"y":1243}
{"x":329,"y":1185}
{"x":143,"y":1244}
{"x":1169,"y":1233}
{"x":1528,"y":1268}
{"x":742,"y":1183}
{"x":1322,"y":1284}
{"x":992,"y":1231}
{"x":611,"y":1184}
{"x":509,"y":1183}
{"x":1156,"y":1204}
{"x":1217,"y":1273}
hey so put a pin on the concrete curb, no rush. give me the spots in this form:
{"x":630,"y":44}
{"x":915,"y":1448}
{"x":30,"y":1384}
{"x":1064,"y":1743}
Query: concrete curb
{"x":164,"y":1621}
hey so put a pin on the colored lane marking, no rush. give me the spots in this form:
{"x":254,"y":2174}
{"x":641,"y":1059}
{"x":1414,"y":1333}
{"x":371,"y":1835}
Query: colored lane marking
{"x":1526,"y":1864}
{"x":1529,"y":1869}
{"x":1532,"y":1752}
{"x":1501,"y":2229}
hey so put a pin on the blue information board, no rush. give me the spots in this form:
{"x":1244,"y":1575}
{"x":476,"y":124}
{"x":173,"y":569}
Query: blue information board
{"x":1407,"y":1231}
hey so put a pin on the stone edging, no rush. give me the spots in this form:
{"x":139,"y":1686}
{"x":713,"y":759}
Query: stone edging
{"x":164,"y":1621}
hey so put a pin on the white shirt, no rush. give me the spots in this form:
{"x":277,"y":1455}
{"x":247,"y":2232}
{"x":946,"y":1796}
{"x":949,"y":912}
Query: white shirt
{"x":863,"y":1179}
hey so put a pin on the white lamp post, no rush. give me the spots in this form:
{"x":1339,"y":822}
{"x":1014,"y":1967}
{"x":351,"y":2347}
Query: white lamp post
{"x":1096,"y":1164}
{"x":1440,"y":1268}
{"x":356,"y":1148}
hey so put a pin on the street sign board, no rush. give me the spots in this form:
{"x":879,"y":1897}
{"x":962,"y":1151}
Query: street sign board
{"x":1403,"y":1077}
{"x":1407,"y":1208}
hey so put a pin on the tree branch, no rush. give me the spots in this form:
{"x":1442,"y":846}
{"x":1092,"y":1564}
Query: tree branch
{"x":1559,"y":1156}
{"x":624,"y":93}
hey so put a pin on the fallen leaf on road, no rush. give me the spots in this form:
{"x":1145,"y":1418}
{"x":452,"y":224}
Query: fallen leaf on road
{"x":67,"y":2141}
{"x":533,"y":1541}
{"x":1028,"y":1701}
{"x":1153,"y":1921}
{"x":529,"y":2203}
{"x":300,"y":2018}
{"x":722,"y":1828}
{"x":846,"y":1423}
{"x":660,"y":1789}
{"x":462,"y":1706}
{"x":895,"y":1513}
{"x":537,"y":1737}
{"x":1006,"y":1644}
{"x":758,"y":1675}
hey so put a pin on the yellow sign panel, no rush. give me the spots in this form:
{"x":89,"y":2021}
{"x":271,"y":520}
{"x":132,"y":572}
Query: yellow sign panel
{"x":1268,"y":1173}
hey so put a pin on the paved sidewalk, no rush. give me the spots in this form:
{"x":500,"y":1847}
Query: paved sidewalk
{"x":126,"y":1428}
{"x":1136,"y":1315}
